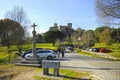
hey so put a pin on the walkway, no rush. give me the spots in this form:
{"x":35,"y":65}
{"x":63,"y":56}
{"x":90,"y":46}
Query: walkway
{"x":104,"y":69}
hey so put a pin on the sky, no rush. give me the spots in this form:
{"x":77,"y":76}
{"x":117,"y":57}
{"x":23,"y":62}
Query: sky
{"x":44,"y":13}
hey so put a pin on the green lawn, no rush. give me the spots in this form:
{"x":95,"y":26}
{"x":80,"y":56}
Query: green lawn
{"x":29,"y":46}
{"x":4,"y":56}
{"x":114,"y":47}
{"x":46,"y":45}
{"x":65,"y":74}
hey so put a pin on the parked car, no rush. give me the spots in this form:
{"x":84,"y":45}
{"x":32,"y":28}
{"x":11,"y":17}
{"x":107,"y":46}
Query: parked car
{"x":102,"y":50}
{"x":96,"y":49}
{"x":90,"y":49}
{"x":29,"y":51}
{"x":71,"y":48}
{"x":43,"y":54}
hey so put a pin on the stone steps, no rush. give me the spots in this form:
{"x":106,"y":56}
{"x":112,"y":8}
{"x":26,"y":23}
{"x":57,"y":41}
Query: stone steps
{"x":36,"y":62}
{"x":31,"y":62}
{"x":31,"y":65}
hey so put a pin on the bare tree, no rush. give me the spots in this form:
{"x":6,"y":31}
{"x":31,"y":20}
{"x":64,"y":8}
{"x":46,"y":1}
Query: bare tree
{"x":18,"y":15}
{"x":108,"y":11}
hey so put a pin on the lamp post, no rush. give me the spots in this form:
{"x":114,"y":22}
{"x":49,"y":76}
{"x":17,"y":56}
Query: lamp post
{"x":79,"y":40}
{"x":34,"y":40}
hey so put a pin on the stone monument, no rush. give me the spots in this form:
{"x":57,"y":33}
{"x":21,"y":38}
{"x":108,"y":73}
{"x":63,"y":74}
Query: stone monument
{"x":33,"y":60}
{"x":34,"y":40}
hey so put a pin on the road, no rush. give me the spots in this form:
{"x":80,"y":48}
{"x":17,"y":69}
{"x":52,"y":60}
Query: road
{"x":104,"y":69}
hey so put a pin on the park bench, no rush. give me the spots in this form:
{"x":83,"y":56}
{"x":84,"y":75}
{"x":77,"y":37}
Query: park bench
{"x":46,"y":64}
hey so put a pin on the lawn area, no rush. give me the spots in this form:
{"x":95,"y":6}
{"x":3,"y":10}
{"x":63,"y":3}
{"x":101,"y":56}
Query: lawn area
{"x":4,"y":55}
{"x":65,"y":74}
{"x":7,"y":69}
{"x":29,"y":46}
{"x":46,"y":45}
{"x":114,"y":47}
{"x":10,"y":71}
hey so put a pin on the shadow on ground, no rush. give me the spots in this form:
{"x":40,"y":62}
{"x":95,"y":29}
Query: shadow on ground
{"x":69,"y":77}
{"x":91,"y":68}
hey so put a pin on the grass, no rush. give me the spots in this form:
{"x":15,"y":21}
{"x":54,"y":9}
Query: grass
{"x":65,"y":74}
{"x":29,"y":46}
{"x":86,"y":53}
{"x":46,"y":45}
{"x":4,"y":55}
{"x":116,"y":54}
{"x":114,"y":47}
{"x":96,"y":56}
{"x":8,"y":71}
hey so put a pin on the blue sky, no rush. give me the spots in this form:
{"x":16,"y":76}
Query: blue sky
{"x":44,"y":13}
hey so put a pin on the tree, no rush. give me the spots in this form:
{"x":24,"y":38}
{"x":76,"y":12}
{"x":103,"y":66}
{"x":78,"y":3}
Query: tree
{"x":88,"y":38}
{"x":108,"y":11}
{"x":76,"y":35}
{"x":53,"y":36}
{"x":9,"y":31}
{"x":39,"y":38}
{"x":98,"y":32}
{"x":106,"y":36}
{"x":17,"y":14}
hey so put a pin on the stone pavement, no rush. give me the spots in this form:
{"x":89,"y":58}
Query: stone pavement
{"x":104,"y":69}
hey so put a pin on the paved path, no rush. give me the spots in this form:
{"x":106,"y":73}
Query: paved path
{"x":106,"y":70}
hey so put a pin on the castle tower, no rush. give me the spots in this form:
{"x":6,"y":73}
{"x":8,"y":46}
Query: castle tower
{"x":55,"y":24}
{"x":69,"y":25}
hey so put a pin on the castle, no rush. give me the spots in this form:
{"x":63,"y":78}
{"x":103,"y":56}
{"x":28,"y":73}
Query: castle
{"x":61,"y":27}
{"x":66,"y":29}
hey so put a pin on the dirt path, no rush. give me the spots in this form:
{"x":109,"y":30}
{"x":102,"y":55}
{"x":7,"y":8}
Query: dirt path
{"x":11,"y":72}
{"x":26,"y":75}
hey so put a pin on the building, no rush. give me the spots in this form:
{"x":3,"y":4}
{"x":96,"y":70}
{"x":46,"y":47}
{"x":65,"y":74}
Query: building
{"x":66,"y":29}
{"x":61,"y":27}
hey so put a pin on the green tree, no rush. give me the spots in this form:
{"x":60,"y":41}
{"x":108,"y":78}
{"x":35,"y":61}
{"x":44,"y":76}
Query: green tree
{"x":77,"y":35}
{"x":18,"y":14}
{"x":98,"y":32}
{"x":9,"y":31}
{"x":106,"y":36}
{"x":108,"y":12}
{"x":53,"y":36}
{"x":88,"y":38}
{"x":39,"y":38}
{"x":115,"y":34}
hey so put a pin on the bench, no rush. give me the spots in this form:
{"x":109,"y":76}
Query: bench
{"x":46,"y":64}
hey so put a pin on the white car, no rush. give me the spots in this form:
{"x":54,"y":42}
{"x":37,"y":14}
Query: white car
{"x":43,"y":54}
